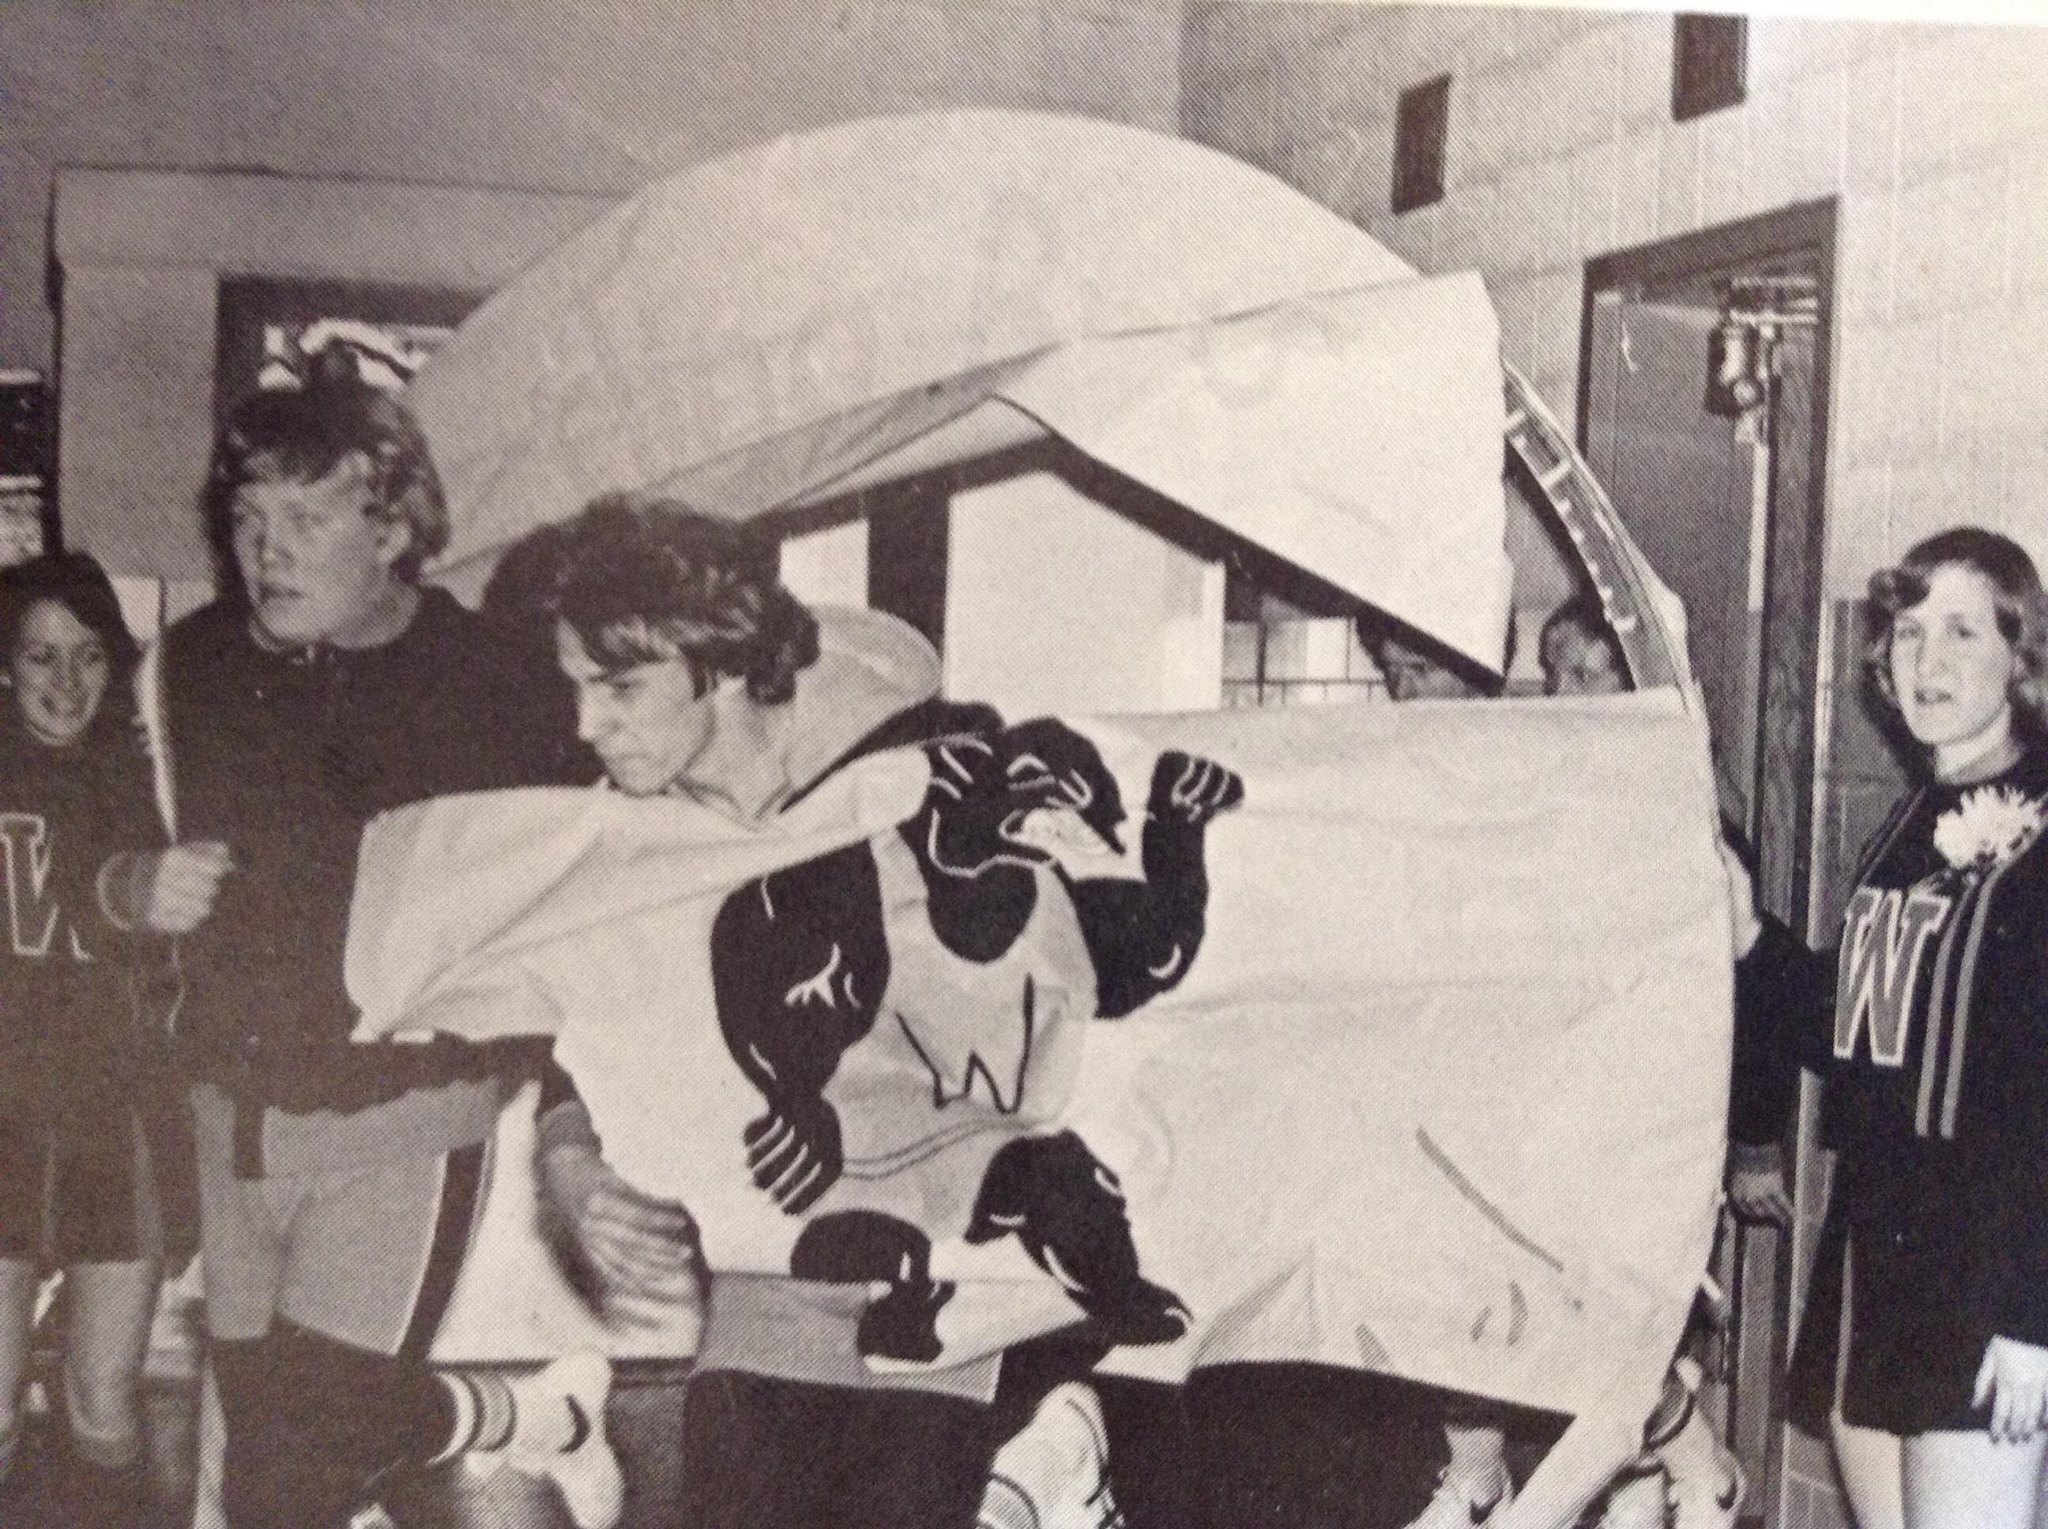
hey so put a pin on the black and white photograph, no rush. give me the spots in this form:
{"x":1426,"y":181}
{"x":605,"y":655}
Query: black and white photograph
{"x":1023,"y":764}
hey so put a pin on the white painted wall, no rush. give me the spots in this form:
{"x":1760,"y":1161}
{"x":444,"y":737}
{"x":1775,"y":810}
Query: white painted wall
{"x":828,"y":567}
{"x":1056,"y":603}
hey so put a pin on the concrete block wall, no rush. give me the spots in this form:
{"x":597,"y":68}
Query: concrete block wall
{"x":1933,"y":140}
{"x":1562,"y":148}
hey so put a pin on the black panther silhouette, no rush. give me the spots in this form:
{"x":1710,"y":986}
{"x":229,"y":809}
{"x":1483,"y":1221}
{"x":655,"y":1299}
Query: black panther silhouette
{"x":971,"y":841}
{"x":1066,"y":1207}
{"x":801,"y":962}
{"x":860,"y":1247}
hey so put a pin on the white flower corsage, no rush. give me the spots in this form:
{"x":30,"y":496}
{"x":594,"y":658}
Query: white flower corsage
{"x":1987,"y":828}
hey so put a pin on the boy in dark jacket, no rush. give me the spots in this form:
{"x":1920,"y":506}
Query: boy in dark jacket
{"x":339,"y":1182}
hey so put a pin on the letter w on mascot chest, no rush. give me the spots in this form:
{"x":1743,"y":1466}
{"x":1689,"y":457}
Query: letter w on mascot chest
{"x":911,"y":1010}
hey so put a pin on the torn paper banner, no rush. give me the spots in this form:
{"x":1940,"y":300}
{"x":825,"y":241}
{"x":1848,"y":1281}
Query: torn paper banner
{"x":1443,"y":1093}
{"x":878,"y":298}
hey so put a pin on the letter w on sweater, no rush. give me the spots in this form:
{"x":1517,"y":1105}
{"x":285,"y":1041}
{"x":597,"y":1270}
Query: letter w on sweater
{"x":1884,"y":937}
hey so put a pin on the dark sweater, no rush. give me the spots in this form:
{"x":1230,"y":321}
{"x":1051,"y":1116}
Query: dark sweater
{"x":1931,"y":1027}
{"x":68,"y":1046}
{"x":285,"y":757}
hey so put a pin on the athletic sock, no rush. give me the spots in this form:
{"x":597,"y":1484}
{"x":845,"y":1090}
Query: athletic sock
{"x":524,"y":1412}
{"x":486,"y":1412}
{"x":116,"y":1453}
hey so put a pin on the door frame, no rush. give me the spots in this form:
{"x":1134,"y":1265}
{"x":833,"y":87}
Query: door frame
{"x":1755,"y":1261}
{"x":1788,"y":694}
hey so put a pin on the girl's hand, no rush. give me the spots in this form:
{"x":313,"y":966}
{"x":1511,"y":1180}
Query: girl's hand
{"x":2014,"y":1379}
{"x":1756,"y":1184}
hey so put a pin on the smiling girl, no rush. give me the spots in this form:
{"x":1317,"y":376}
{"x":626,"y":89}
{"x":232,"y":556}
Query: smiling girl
{"x":75,"y":1190}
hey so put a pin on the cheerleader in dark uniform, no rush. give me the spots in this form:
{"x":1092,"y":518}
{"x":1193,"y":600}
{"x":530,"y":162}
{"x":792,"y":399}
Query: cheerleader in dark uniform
{"x":1925,"y":1340}
{"x":76,"y":1191}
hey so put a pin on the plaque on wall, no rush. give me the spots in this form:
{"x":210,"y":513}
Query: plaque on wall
{"x":269,"y":326}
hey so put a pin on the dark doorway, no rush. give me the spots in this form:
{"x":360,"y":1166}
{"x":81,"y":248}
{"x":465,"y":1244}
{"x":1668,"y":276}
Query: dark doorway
{"x":1703,"y":408}
{"x":1722,"y":486}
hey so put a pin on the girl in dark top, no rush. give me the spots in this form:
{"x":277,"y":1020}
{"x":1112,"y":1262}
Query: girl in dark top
{"x":76,"y":1192}
{"x":1927,"y":1327}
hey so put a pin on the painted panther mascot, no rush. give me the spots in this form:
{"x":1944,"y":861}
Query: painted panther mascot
{"x":903,"y":1002}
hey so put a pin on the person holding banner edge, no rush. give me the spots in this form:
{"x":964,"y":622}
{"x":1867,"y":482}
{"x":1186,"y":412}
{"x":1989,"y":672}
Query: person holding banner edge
{"x":686,"y":656}
{"x":338,"y":1182}
{"x":699,"y":677}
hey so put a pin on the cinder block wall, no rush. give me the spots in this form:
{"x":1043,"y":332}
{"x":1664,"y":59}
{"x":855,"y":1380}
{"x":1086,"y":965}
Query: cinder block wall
{"x":1562,"y":148}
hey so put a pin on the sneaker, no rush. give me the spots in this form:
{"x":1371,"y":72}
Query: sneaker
{"x":1054,"y":1473}
{"x":1463,"y":1501}
{"x":587,"y":1474}
{"x":1635,"y":1501}
{"x":1706,"y":1493}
